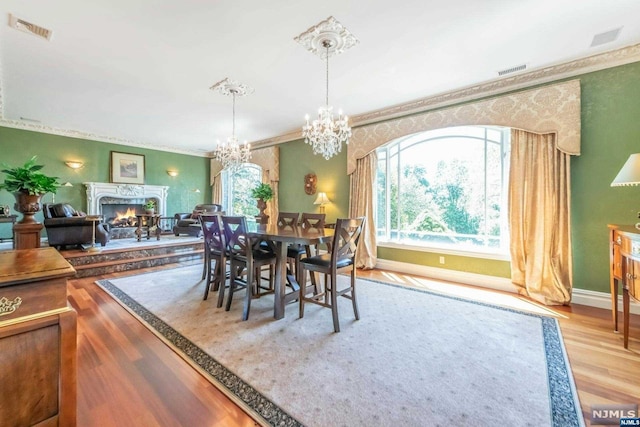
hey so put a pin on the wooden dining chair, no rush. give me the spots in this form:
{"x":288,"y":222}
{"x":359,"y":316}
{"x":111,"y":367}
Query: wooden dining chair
{"x":309,"y":221}
{"x":246,"y":258}
{"x":289,"y":221}
{"x":341,"y":257}
{"x":215,"y":263}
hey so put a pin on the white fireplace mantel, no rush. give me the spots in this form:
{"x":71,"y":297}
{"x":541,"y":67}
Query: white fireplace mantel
{"x":98,"y":190}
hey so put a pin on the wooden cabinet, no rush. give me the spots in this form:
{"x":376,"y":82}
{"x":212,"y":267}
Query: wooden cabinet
{"x":37,"y":339}
{"x":624,"y":254}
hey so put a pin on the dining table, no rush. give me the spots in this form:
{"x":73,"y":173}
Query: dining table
{"x":281,"y":238}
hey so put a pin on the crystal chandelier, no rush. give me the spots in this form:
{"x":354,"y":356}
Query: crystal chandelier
{"x":326,"y":134}
{"x":231,"y":153}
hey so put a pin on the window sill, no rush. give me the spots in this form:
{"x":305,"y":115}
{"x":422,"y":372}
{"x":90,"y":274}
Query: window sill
{"x":446,"y":251}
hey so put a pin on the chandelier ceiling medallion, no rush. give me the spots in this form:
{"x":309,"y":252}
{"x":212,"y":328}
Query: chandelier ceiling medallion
{"x":326,"y":135}
{"x":231,"y":153}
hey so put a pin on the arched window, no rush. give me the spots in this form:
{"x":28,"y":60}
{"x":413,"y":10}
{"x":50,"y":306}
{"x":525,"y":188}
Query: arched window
{"x":236,"y":190}
{"x":445,"y":189}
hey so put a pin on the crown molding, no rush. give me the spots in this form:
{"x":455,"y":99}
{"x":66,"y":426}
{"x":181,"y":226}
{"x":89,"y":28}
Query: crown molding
{"x":36,"y":127}
{"x":601,"y":61}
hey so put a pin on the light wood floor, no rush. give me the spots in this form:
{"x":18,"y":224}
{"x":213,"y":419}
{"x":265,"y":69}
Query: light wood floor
{"x":128,"y":377}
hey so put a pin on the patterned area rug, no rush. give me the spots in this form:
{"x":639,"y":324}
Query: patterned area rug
{"x":415,"y":358}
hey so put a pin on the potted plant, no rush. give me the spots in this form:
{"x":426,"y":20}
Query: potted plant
{"x":263,"y":193}
{"x":150,"y":207}
{"x":28,"y":185}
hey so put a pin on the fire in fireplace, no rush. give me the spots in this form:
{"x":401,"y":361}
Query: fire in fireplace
{"x":121,"y":215}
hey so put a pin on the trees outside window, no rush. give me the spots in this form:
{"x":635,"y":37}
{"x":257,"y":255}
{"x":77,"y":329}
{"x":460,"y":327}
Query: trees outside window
{"x":445,"y":189}
{"x":237,"y":186}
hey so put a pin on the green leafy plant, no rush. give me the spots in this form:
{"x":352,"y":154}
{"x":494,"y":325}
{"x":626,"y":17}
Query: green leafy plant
{"x":150,"y":205}
{"x":262,"y":191}
{"x":28,"y":179}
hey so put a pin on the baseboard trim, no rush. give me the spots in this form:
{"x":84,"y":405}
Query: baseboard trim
{"x":474,"y":279}
{"x":579,"y":296}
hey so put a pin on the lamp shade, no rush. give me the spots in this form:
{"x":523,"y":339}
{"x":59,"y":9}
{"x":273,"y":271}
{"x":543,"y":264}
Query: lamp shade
{"x":322,"y":199}
{"x":630,"y":172}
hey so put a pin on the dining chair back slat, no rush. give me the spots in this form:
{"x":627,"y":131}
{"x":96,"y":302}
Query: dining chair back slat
{"x":312,"y":221}
{"x":288,"y":220}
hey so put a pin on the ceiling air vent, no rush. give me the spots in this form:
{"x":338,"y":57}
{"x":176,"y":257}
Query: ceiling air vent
{"x":513,"y":69}
{"x":606,"y":37}
{"x":28,"y":27}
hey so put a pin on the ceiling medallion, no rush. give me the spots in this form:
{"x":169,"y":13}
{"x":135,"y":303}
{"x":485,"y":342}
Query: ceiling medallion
{"x":330,"y":30}
{"x":326,"y":134}
{"x":231,"y":153}
{"x":228,"y":87}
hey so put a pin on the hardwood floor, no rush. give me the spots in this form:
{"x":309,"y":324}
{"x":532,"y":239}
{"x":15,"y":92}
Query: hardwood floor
{"x":129,"y":377}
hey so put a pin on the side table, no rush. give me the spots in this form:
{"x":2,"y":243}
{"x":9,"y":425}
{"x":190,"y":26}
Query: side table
{"x":148,"y":223}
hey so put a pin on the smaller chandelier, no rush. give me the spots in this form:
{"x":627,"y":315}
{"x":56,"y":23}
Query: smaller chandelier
{"x":326,"y":134}
{"x":231,"y":153}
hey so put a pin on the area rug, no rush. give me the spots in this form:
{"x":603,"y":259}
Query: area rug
{"x":414,"y":358}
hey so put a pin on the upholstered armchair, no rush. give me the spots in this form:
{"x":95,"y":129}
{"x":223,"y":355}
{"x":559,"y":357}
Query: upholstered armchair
{"x":65,"y":226}
{"x":188,"y":222}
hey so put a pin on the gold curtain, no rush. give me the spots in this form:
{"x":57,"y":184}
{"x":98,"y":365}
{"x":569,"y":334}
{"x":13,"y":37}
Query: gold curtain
{"x":216,"y":189}
{"x":539,"y":217}
{"x":272,"y":205}
{"x":361,"y":204}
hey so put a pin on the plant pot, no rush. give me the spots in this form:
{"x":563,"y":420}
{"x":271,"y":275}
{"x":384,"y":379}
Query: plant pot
{"x":28,"y":205}
{"x":150,"y":211}
{"x":262,"y":218}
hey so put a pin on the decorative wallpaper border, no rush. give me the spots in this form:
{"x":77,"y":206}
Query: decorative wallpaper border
{"x":548,"y":109}
{"x":601,"y":61}
{"x":267,"y":158}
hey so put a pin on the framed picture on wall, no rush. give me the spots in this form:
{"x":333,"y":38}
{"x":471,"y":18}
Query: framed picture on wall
{"x":127,"y":168}
{"x":4,"y":210}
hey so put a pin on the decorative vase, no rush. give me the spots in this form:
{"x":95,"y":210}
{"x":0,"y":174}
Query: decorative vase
{"x":262,"y":218}
{"x":28,"y":205}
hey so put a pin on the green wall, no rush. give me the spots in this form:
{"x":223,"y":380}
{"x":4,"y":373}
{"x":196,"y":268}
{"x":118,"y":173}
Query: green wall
{"x":17,"y":146}
{"x":610,"y":133}
{"x":296,"y":161}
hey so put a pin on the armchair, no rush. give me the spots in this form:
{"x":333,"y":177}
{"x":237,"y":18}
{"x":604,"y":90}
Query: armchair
{"x":66,"y":226}
{"x":188,"y":222}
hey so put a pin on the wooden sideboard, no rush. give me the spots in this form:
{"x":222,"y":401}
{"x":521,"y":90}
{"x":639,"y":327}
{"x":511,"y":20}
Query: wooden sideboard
{"x":37,"y":339}
{"x":624,"y":255}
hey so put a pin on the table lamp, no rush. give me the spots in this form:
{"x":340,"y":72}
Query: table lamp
{"x":322,"y":200}
{"x":629,"y":175}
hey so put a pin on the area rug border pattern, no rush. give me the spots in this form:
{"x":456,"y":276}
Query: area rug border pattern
{"x":564,"y":412}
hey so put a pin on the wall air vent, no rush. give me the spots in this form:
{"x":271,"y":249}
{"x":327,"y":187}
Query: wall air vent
{"x":512,"y":69}
{"x":606,"y":37}
{"x":28,"y":27}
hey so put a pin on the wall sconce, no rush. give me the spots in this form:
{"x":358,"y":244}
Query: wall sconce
{"x":74,"y":164}
{"x":172,"y":173}
{"x":310,"y":181}
{"x":322,"y":200}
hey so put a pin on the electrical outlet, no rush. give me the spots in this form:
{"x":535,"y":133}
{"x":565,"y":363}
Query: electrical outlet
{"x":441,"y":260}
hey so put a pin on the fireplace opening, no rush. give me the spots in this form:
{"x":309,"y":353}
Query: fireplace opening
{"x":121,"y":214}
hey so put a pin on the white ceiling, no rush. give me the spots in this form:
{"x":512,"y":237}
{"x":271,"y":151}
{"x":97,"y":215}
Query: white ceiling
{"x":139,"y":71}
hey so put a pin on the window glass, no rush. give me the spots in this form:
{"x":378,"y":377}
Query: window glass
{"x":445,"y":189}
{"x":237,"y":186}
